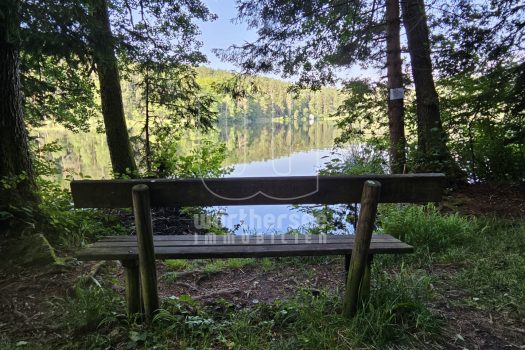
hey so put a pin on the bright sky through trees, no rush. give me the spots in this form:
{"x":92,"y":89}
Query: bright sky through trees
{"x":224,"y":32}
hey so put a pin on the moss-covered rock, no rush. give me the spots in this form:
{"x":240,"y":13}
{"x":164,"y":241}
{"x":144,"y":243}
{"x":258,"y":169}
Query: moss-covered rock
{"x":29,"y":250}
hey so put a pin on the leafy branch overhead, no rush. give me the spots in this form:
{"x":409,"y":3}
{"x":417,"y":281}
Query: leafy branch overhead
{"x":308,"y":39}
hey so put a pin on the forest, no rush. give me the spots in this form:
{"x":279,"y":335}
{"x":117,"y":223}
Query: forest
{"x":122,"y":92}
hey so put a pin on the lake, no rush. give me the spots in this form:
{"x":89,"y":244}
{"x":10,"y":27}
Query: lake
{"x":266,"y":147}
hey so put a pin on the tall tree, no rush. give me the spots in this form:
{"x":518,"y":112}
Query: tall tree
{"x":433,"y":154}
{"x":396,"y":110}
{"x":309,"y":39}
{"x":17,"y":185}
{"x":102,"y":44}
{"x":82,"y":35}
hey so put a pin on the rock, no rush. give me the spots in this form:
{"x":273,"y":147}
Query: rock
{"x":33,"y":250}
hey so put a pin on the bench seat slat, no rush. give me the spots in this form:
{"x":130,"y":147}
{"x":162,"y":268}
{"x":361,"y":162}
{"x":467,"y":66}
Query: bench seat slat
{"x":182,"y":250}
{"x":243,"y":238}
{"x":246,"y":241}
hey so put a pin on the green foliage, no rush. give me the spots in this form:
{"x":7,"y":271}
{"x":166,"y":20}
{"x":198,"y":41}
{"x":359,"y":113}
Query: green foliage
{"x":396,"y":315}
{"x":203,"y":161}
{"x":69,"y":228}
{"x":168,"y":99}
{"x":61,"y":224}
{"x":486,"y":132}
{"x":254,"y":97}
{"x":356,"y":160}
{"x":207,"y":266}
{"x":424,"y":227}
{"x":176,"y":264}
{"x":307,"y":40}
{"x":92,"y":308}
{"x":328,"y":219}
{"x":15,"y":215}
{"x":57,"y":90}
{"x":482,"y":257}
{"x":363,"y":112}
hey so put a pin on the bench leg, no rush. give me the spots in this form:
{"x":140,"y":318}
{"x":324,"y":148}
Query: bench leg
{"x":364,"y":288}
{"x":146,"y":250}
{"x":131,"y":270}
{"x":363,"y":237}
{"x":348,"y":258}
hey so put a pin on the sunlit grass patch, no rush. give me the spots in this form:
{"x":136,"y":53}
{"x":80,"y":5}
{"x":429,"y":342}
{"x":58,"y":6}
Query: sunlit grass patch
{"x":177,"y":264}
{"x":483,"y":257}
{"x":432,"y":234}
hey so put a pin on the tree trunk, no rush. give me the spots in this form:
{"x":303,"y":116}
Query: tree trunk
{"x":433,"y":154}
{"x":146,"y":126}
{"x":396,"y":111}
{"x":119,"y":145}
{"x":15,"y":160}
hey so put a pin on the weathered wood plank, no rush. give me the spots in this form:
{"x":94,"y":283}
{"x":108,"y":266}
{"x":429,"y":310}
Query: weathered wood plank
{"x":405,"y":188}
{"x":131,"y":268}
{"x":246,"y":238}
{"x":239,"y":251}
{"x":248,"y":241}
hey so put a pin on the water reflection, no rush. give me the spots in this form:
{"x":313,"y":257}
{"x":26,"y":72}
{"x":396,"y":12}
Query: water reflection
{"x":273,"y":218}
{"x":86,"y":154}
{"x":261,"y":147}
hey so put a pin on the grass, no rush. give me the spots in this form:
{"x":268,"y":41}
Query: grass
{"x":211,"y":266}
{"x":493,"y":267}
{"x":395,"y":314}
{"x":424,"y":227}
{"x":482,"y":258}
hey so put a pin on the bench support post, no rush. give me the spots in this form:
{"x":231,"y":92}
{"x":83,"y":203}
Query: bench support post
{"x":131,"y":270}
{"x":144,"y":227}
{"x":348,"y":258}
{"x":363,"y":237}
{"x":364,"y":288}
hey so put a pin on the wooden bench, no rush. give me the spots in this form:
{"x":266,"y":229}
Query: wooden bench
{"x":138,"y":254}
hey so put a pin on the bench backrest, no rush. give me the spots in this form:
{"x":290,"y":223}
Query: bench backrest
{"x":409,"y":188}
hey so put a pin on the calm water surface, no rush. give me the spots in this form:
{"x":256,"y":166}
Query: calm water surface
{"x":273,"y":218}
{"x":261,"y":148}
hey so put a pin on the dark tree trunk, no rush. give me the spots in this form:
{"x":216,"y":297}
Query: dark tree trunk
{"x":146,"y":127}
{"x":396,"y":110}
{"x":433,"y":154}
{"x":122,"y":159}
{"x":15,"y":160}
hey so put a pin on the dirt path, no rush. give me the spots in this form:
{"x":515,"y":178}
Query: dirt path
{"x":501,"y":201}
